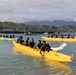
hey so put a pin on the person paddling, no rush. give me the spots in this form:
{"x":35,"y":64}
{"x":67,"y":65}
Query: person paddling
{"x":39,"y":44}
{"x":32,"y":43}
{"x":42,"y":49}
{"x":27,"y":41}
{"x":20,"y":40}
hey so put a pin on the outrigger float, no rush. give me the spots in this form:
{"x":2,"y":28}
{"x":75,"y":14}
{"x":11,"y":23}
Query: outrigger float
{"x":52,"y":55}
{"x":59,"y":39}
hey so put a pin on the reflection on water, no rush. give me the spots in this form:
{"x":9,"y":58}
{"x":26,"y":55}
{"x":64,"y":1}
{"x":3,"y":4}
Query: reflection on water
{"x":60,"y":68}
{"x":45,"y":66}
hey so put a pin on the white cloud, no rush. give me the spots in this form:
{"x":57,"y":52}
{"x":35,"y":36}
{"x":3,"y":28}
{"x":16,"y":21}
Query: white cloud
{"x":21,"y":10}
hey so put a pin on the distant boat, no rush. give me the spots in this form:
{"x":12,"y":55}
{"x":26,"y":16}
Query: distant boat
{"x":46,"y":33}
{"x":73,"y":39}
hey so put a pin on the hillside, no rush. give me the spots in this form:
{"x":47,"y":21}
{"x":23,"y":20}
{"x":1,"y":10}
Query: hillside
{"x":52,"y":23}
{"x":10,"y":26}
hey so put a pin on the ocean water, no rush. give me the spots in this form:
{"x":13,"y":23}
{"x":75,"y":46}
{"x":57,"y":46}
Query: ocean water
{"x":15,"y":63}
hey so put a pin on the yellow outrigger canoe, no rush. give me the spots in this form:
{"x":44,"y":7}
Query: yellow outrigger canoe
{"x":8,"y":39}
{"x":59,"y":39}
{"x":52,"y":55}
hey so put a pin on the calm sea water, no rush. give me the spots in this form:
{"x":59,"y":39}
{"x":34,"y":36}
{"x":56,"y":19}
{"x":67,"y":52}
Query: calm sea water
{"x":15,"y":63}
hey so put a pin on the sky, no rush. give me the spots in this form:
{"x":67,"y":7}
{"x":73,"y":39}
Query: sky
{"x":37,"y":10}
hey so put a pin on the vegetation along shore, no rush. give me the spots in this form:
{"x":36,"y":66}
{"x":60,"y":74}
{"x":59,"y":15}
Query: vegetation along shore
{"x":11,"y":26}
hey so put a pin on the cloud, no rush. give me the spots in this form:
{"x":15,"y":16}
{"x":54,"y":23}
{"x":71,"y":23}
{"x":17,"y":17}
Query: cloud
{"x":22,"y":10}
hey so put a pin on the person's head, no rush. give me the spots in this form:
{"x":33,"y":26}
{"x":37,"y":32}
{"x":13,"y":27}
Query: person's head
{"x":44,"y":42}
{"x":27,"y":38}
{"x":21,"y":37}
{"x":39,"y":41}
{"x":32,"y":39}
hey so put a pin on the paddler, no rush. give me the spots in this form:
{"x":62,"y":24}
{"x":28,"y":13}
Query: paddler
{"x":39,"y":44}
{"x":44,"y":47}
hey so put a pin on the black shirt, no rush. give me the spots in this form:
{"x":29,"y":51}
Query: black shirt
{"x":31,"y":44}
{"x":39,"y":45}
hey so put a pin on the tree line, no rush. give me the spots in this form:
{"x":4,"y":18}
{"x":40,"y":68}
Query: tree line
{"x":11,"y":26}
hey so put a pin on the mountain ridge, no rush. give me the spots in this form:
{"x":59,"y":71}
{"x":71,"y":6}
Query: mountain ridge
{"x":52,"y":23}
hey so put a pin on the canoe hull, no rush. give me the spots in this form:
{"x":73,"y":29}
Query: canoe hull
{"x":8,"y":39}
{"x":56,"y":56}
{"x":59,"y":39}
